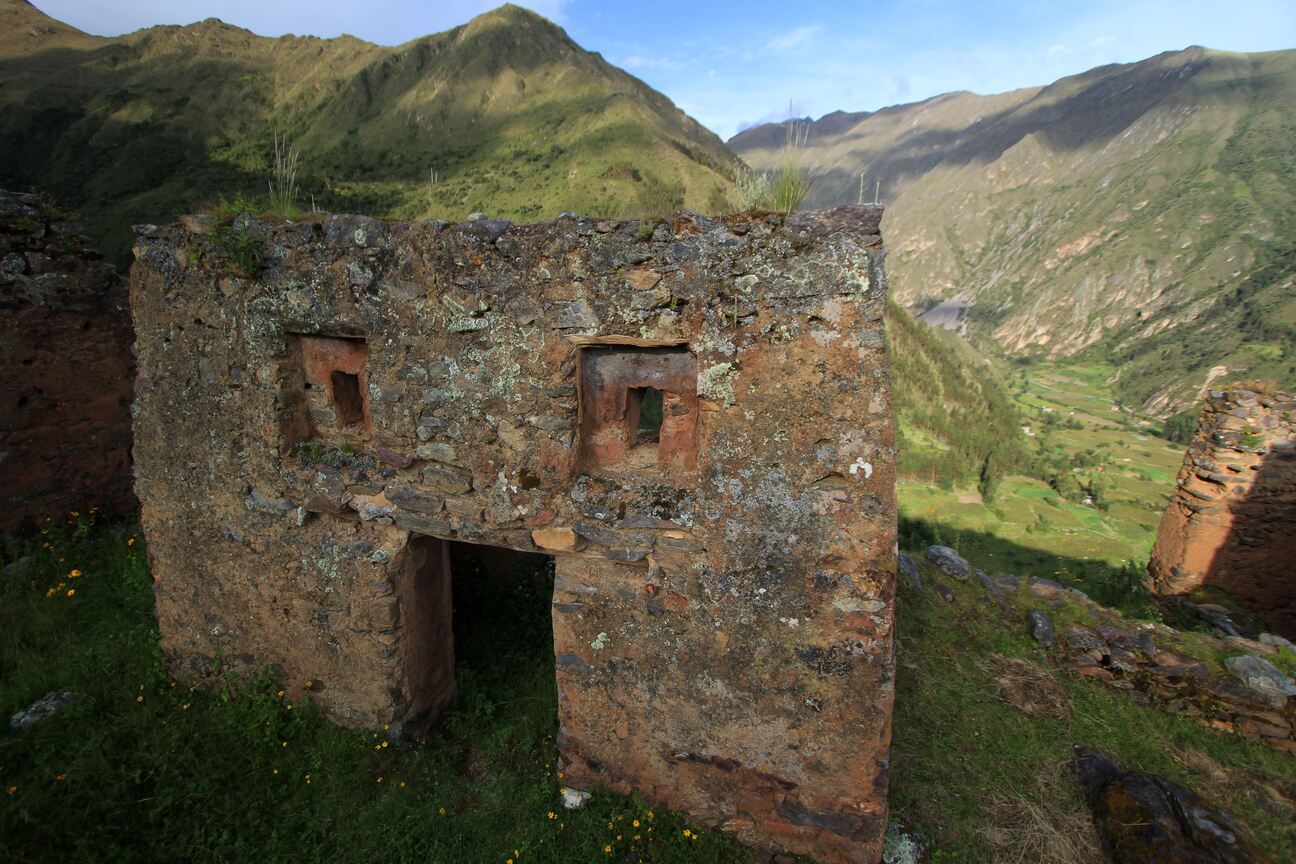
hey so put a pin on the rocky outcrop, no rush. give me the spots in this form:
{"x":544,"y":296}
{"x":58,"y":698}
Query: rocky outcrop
{"x":1230,"y":521}
{"x":67,"y":371}
{"x":1241,"y":692}
{"x":693,"y":417}
{"x":1145,"y":819}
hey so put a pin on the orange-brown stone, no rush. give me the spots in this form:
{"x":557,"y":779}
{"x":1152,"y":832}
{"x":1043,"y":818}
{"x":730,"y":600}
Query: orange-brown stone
{"x":723,"y":604}
{"x":1230,"y":521}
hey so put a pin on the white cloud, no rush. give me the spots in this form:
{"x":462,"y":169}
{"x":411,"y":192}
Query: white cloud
{"x":794,"y":37}
{"x":635,"y":61}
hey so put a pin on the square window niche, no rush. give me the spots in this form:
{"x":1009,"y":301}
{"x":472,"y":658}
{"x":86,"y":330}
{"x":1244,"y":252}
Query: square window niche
{"x":325,"y":389}
{"x":639,"y":412}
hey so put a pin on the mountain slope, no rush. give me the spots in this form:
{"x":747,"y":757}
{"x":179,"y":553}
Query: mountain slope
{"x":1144,"y":210}
{"x":511,"y":115}
{"x":955,"y":421}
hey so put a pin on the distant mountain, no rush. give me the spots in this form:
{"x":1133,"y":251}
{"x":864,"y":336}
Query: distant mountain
{"x":1144,"y":211}
{"x":509,"y":114}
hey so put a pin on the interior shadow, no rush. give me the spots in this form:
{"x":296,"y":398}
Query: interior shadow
{"x":503,"y":645}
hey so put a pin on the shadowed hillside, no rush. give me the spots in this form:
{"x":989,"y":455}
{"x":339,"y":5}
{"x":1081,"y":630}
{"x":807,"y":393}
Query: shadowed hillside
{"x":1140,"y":211}
{"x":508,"y":113}
{"x":956,"y":422}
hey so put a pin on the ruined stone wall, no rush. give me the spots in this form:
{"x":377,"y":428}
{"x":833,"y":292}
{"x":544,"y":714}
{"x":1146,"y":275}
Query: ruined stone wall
{"x":1232,"y":520}
{"x":307,"y":440}
{"x":67,"y":371}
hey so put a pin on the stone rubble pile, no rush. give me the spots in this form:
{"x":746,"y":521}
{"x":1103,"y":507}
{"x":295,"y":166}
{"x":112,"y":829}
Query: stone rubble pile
{"x":1251,"y":697}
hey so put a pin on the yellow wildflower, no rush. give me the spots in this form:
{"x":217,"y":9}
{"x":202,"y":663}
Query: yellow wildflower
{"x":139,"y":698}
{"x":71,"y":591}
{"x":607,"y":850}
{"x":184,"y":707}
{"x":130,"y":541}
{"x":75,"y":574}
{"x":635,"y":823}
{"x":12,"y":789}
{"x":441,"y":811}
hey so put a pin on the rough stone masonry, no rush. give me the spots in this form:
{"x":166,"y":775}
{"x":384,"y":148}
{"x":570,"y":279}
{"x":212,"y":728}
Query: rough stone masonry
{"x":1231,"y":522}
{"x":65,"y":418}
{"x":692,"y":416}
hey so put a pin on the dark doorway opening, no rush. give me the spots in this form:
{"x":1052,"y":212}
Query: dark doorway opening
{"x":494,"y":652}
{"x":501,"y":608}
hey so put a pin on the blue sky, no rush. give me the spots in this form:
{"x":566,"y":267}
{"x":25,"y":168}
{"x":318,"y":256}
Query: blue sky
{"x":731,"y":65}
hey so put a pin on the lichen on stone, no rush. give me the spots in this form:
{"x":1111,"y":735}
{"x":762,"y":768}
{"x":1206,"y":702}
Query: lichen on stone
{"x":717,"y":383}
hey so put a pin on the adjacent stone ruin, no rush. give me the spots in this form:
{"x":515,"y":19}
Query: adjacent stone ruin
{"x":1231,"y":522}
{"x":693,"y":417}
{"x":66,"y":378}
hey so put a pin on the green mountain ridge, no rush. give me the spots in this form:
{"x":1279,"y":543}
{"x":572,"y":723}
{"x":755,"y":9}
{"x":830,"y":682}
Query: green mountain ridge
{"x":503,"y":114}
{"x":1142,"y":211}
{"x":517,"y":120}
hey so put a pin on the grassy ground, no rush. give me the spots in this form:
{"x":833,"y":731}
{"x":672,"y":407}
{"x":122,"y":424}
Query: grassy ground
{"x":986,"y":782}
{"x":143,"y":770}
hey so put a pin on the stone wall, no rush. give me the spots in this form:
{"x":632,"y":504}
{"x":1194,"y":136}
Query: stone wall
{"x":1231,"y":522}
{"x":67,"y":371}
{"x":310,"y":439}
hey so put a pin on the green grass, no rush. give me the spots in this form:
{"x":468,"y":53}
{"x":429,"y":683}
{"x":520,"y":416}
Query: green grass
{"x":957,"y":748}
{"x":511,"y":116}
{"x":1030,"y":524}
{"x":144,"y":770}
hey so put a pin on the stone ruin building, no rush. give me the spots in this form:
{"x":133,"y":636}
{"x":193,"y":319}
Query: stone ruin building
{"x":693,"y":417}
{"x":65,"y":421}
{"x":1231,"y":522}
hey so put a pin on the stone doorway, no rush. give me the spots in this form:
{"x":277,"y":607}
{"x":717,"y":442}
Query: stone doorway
{"x":478,"y":625}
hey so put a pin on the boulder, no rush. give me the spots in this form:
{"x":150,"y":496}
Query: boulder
{"x":948,"y":562}
{"x":1260,"y":674}
{"x":1145,"y":818}
{"x":42,"y":709}
{"x":909,"y":573}
{"x":1083,"y":640}
{"x":1041,"y":628}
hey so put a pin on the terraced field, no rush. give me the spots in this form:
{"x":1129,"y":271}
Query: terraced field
{"x":1071,"y":414}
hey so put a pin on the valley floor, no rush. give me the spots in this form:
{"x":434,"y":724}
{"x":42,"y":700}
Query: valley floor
{"x":1070,"y":412}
